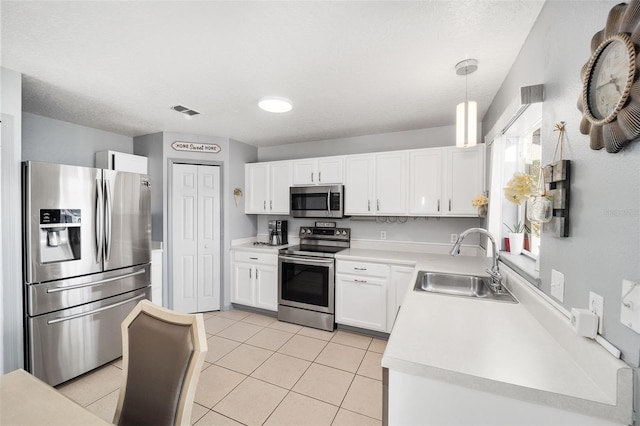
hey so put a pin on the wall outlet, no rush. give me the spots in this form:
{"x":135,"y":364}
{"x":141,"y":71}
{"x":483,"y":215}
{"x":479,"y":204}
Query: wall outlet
{"x":454,"y":238}
{"x":557,"y":285}
{"x":383,"y":235}
{"x":596,"y":306}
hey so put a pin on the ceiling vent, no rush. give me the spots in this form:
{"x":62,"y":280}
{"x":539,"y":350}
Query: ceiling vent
{"x":184,"y":110}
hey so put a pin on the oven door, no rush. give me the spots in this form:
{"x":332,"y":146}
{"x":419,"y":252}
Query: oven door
{"x":306,"y":282}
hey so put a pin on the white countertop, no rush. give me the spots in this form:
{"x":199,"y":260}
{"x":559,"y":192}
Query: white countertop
{"x":495,"y":346}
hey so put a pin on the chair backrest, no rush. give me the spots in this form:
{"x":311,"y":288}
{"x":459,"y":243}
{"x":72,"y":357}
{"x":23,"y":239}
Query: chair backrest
{"x":163,"y":352}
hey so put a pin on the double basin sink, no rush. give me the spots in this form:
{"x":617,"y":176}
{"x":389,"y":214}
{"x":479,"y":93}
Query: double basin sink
{"x":471,"y":286}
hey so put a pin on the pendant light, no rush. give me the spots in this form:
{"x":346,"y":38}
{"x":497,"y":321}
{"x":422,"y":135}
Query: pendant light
{"x":467,"y":111}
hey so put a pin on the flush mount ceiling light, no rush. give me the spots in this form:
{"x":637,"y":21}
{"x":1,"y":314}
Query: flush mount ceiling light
{"x":275,"y":104}
{"x":467,"y":111}
{"x":188,"y":112}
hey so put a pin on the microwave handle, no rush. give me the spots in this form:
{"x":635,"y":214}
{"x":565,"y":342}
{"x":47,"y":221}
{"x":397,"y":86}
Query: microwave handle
{"x":329,"y":202}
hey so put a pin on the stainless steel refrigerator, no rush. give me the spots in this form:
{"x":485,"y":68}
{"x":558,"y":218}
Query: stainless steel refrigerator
{"x":87,"y":253}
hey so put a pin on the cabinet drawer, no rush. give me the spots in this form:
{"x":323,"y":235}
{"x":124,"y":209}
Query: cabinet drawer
{"x":254,"y":257}
{"x":362,"y":268}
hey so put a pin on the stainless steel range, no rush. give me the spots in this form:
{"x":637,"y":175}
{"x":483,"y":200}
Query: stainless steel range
{"x":306,"y":288}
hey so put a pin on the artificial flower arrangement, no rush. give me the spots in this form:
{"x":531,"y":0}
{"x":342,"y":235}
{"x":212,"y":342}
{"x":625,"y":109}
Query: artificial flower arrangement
{"x":479,"y":201}
{"x":519,"y":188}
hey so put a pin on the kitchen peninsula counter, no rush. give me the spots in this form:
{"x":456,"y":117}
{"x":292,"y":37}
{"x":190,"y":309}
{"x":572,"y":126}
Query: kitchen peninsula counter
{"x":525,"y":355}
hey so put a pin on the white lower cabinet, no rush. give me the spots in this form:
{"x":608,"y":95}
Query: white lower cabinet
{"x":361,"y":294}
{"x":254,"y":279}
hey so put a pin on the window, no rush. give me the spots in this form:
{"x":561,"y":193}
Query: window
{"x":518,"y":149}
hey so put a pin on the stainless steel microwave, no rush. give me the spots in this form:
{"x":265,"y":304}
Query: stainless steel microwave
{"x":317,"y":201}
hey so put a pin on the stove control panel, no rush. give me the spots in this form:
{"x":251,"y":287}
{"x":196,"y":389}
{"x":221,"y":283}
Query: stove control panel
{"x":311,"y":232}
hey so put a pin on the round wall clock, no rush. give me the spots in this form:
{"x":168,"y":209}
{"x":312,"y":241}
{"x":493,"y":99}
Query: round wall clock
{"x":610,"y":100}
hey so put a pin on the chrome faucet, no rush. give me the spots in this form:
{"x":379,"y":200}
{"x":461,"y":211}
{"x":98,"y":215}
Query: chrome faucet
{"x":494,"y":271}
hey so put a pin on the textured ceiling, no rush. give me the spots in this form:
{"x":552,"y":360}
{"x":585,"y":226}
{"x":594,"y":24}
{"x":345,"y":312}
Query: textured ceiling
{"x":350,"y":68}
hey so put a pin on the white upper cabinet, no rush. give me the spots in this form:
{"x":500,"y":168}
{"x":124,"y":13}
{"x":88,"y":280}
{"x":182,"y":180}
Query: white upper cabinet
{"x":391,"y":183}
{"x":422,"y":182}
{"x":443,"y":181}
{"x":376,"y":184}
{"x":359,"y":184}
{"x":318,"y":171}
{"x":464,"y":179}
{"x":425,"y":182}
{"x":267,"y":187}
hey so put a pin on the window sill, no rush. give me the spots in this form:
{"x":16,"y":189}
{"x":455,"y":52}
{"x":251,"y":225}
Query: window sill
{"x":523,"y":265}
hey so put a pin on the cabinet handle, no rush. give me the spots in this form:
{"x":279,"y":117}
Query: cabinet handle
{"x":368,"y":205}
{"x":257,"y":270}
{"x":253,"y":258}
{"x":319,"y":176}
{"x":378,"y":204}
{"x":270,"y":204}
{"x":438,"y":205}
{"x":264,"y":205}
{"x":360,"y":269}
{"x":250,"y":272}
{"x":449,"y":204}
{"x":360,"y":281}
{"x":311,"y":176}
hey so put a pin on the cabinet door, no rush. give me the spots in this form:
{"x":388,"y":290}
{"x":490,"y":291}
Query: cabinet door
{"x":399,"y":286}
{"x":242,"y":290}
{"x":208,"y":238}
{"x":391,"y":183}
{"x":465,"y":179}
{"x":359,"y":185}
{"x":330,"y":171}
{"x":279,"y":182}
{"x":304,"y":172}
{"x":361,"y":302}
{"x":266,"y":287}
{"x":257,"y":187}
{"x":425,"y":182}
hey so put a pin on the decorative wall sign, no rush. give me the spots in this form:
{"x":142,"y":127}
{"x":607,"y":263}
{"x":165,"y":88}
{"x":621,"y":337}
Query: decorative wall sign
{"x":557,"y":177}
{"x":610,"y":99}
{"x":208,"y":148}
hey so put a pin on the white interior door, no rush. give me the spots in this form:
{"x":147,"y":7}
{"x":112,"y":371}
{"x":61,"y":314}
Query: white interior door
{"x":195,"y":237}
{"x":208,"y":238}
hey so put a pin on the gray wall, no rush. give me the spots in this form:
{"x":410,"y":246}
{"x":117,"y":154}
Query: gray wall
{"x":235,"y":224}
{"x":433,"y":230}
{"x":55,"y":141}
{"x":420,"y":229}
{"x":603,"y":247}
{"x":11,"y":341}
{"x":410,"y":139}
{"x":240,"y":225}
{"x":150,"y":146}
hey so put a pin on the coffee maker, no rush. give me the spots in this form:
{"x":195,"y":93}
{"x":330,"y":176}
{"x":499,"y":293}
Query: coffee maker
{"x":278,"y":231}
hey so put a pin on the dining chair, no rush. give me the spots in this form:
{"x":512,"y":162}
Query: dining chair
{"x":163,"y":353}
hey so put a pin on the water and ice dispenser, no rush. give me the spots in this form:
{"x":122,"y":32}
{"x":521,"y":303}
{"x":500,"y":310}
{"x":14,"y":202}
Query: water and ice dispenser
{"x":59,"y":235}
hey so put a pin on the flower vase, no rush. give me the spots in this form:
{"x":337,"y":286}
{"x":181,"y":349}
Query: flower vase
{"x":482,"y":211}
{"x":516,"y":242}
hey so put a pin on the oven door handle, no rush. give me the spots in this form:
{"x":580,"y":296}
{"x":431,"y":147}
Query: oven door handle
{"x":307,"y":260}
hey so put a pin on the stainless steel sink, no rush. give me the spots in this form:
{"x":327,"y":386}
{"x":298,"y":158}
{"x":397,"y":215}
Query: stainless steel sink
{"x":475,"y":287}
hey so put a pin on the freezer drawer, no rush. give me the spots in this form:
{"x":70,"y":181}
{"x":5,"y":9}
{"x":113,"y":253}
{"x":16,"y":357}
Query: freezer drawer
{"x":68,"y":343}
{"x":62,"y":294}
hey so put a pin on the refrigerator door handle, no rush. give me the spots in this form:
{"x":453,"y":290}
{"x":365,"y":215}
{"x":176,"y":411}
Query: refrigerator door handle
{"x":95,"y":311}
{"x":94,"y":283}
{"x":108,"y":218}
{"x":99,"y":226}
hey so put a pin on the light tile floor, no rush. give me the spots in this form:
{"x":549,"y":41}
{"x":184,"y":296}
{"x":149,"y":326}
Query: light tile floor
{"x":262,"y":371}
